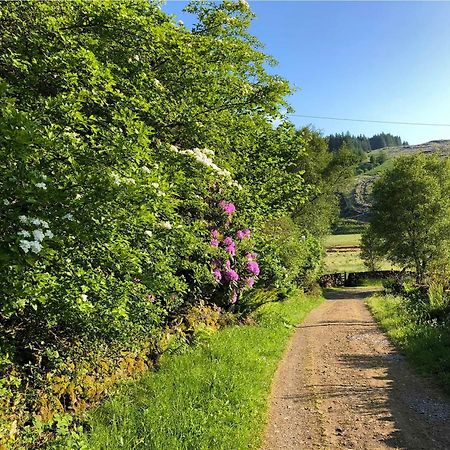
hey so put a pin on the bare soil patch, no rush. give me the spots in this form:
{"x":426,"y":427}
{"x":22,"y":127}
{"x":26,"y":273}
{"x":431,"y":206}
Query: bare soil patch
{"x":341,"y":385}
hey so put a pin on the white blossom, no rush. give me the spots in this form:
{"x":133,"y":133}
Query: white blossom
{"x":84,"y":297}
{"x":35,"y":246}
{"x":158,"y":84}
{"x":23,"y":219}
{"x":38,"y":235}
{"x":36,"y":222}
{"x":145,"y":169}
{"x":167,"y":225}
{"x":78,"y":196}
{"x":68,"y":216}
{"x":44,"y":223}
{"x":6,"y":202}
{"x":174,"y":148}
{"x":49,"y":234}
{"x":148,"y":233}
{"x":155,"y":185}
{"x":24,"y":233}
{"x":41,"y":185}
{"x":25,"y":245}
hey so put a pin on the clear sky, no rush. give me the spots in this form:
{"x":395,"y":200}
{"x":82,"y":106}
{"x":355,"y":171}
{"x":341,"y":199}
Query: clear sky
{"x":364,"y":60}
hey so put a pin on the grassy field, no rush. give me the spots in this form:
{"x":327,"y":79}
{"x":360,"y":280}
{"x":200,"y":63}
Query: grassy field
{"x":344,"y":262}
{"x":347,"y":261}
{"x":343,"y":240}
{"x":425,"y":344}
{"x":214,"y":396}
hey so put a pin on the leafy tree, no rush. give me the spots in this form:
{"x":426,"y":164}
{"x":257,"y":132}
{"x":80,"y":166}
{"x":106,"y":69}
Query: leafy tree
{"x":410,"y":217}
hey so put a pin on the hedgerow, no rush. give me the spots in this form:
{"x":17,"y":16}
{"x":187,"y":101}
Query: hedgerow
{"x":140,"y":170}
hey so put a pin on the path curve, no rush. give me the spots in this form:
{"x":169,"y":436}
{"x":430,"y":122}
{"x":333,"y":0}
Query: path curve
{"x":341,"y":385}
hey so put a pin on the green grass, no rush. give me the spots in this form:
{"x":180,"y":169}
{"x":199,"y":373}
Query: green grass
{"x":426,"y":345}
{"x":214,"y":396}
{"x":344,"y":262}
{"x":343,"y":240}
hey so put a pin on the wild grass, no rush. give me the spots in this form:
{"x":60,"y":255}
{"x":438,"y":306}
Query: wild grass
{"x":343,"y":240}
{"x":214,"y":396}
{"x":425,"y":343}
{"x":344,"y":262}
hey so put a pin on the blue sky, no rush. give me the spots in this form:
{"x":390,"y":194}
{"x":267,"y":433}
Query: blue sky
{"x":364,"y":60}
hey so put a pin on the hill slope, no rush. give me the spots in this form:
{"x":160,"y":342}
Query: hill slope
{"x":356,"y":202}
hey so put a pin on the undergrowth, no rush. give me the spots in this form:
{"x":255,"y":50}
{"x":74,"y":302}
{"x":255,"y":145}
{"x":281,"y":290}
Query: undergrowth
{"x":211,"y":396}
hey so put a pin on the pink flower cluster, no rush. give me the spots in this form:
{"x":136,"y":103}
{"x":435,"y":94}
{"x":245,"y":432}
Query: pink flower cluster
{"x":227,"y":273}
{"x":243,"y":234}
{"x":227,"y":208}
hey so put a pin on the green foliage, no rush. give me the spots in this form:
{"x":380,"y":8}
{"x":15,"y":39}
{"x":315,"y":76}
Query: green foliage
{"x":120,"y":133}
{"x":370,"y":252}
{"x":213,"y":397}
{"x":424,"y":340}
{"x":363,"y":144}
{"x":410,"y":218}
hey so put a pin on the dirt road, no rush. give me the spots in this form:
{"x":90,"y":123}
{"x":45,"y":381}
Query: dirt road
{"x":341,"y":385}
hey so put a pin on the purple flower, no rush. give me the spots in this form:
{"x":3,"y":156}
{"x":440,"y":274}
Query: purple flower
{"x":234,"y":297}
{"x":228,"y":241}
{"x":250,"y":282}
{"x":231,"y":249}
{"x":240,"y":234}
{"x":231,"y":275}
{"x":253,"y":267}
{"x":228,"y":208}
{"x":217,"y":274}
{"x":214,"y":243}
{"x":214,"y":233}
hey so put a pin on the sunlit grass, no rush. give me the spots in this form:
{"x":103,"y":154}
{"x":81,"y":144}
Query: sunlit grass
{"x":212,"y":397}
{"x":343,"y":240}
{"x":425,"y":344}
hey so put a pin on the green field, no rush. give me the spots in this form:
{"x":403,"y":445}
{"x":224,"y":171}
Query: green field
{"x":213,"y":396}
{"x":343,"y":240}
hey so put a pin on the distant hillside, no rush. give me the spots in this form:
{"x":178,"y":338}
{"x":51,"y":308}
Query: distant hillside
{"x":356,"y":203}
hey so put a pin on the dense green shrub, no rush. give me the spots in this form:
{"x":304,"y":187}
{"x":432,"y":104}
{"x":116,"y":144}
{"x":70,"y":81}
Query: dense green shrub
{"x":123,"y":138}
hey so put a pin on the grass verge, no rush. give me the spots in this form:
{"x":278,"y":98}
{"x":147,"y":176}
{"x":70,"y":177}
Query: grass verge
{"x":425,"y":344}
{"x":213,"y":396}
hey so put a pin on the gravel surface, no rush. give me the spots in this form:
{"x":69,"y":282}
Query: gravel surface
{"x":341,"y":385}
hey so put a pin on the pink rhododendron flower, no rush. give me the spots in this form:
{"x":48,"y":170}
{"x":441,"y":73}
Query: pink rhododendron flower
{"x":228,"y":208}
{"x":231,"y":275}
{"x":228,"y":241}
{"x":217,"y":274}
{"x":214,"y":243}
{"x":249,"y":282}
{"x":246,"y":233}
{"x":234,"y":297}
{"x":231,"y":249}
{"x":240,"y":234}
{"x":253,"y":267}
{"x":215,"y":263}
{"x":215,"y":233}
{"x":228,"y":264}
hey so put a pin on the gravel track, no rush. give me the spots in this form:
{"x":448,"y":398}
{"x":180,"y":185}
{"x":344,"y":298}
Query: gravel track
{"x":341,"y":385}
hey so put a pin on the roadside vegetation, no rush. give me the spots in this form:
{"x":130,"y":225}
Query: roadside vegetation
{"x":410,"y":226}
{"x":145,"y":190}
{"x":420,"y":330}
{"x":211,"y":396}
